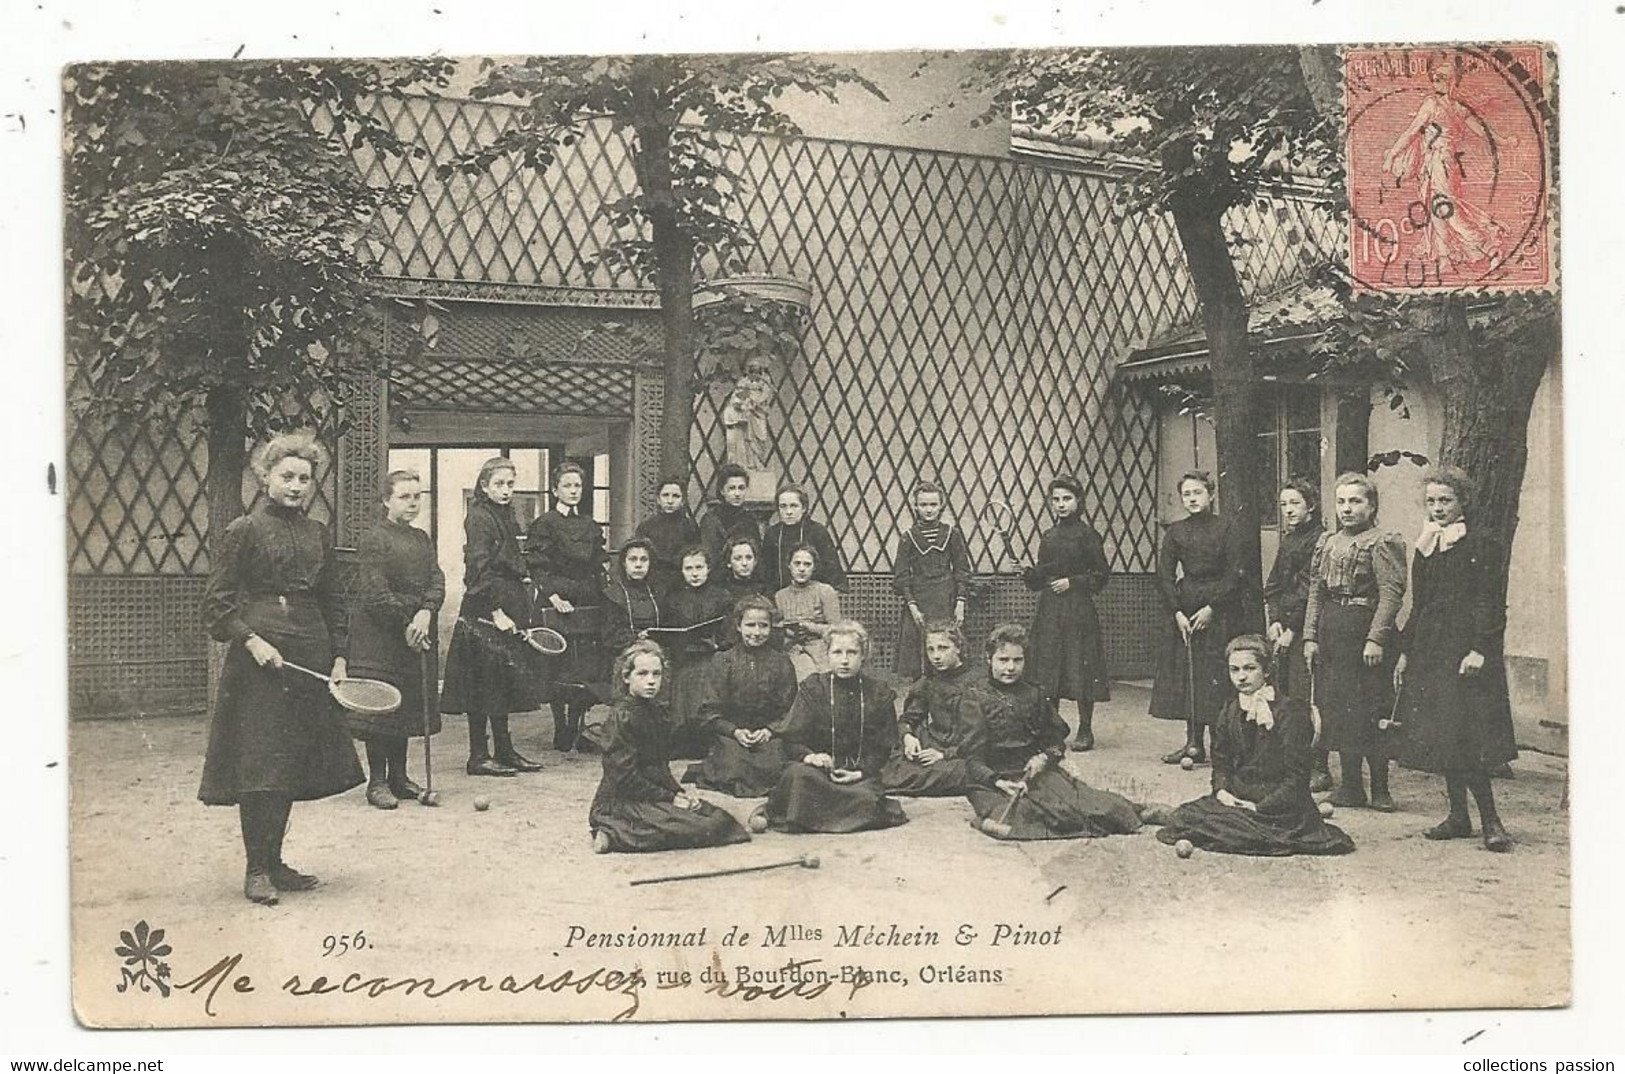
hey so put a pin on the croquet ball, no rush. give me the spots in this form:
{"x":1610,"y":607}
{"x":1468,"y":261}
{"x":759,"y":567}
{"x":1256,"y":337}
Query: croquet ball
{"x":430,"y":798}
{"x":1326,"y":809}
{"x":482,"y":804}
{"x":1184,"y":848}
{"x":757,"y":823}
{"x":1187,"y":763}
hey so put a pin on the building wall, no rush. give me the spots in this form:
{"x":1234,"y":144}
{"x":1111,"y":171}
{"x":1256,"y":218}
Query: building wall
{"x":1536,"y":637}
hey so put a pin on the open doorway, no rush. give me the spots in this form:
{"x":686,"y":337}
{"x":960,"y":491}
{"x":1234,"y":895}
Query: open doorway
{"x":449,"y":473}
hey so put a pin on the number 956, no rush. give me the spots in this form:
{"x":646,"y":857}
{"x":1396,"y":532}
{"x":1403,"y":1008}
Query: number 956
{"x":344,"y":943}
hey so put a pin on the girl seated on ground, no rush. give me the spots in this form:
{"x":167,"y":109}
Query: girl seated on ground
{"x":748,"y":692}
{"x":938,"y":729}
{"x":1263,"y":755}
{"x":638,"y":805}
{"x":1021,"y":741}
{"x":809,"y":607}
{"x":841,"y":730}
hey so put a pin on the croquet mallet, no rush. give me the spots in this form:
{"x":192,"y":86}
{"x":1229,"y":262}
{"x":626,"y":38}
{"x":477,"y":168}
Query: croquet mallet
{"x":806,"y":861}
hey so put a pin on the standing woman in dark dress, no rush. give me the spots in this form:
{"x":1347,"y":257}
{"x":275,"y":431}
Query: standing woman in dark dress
{"x":792,"y":530}
{"x":1451,"y":673}
{"x":490,"y":671}
{"x":1199,"y":574}
{"x":931,"y":572}
{"x":565,"y":551}
{"x":670,"y":531}
{"x":1286,"y":599}
{"x":1262,"y":757}
{"x":1068,"y":658}
{"x":389,"y":635}
{"x":276,"y":737}
{"x":1356,"y":585}
{"x":726,"y":517}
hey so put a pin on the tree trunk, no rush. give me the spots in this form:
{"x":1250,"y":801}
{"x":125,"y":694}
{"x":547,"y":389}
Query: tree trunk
{"x":1487,"y":389}
{"x":227,"y":407}
{"x":1224,"y":319}
{"x":674,"y":260}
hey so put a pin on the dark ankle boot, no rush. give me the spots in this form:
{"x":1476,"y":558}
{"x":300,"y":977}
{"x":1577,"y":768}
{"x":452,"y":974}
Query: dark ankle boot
{"x":1381,"y":800}
{"x":1458,"y":825}
{"x":479,"y":754}
{"x":257,"y":885}
{"x":1085,"y":740}
{"x":1495,"y":834}
{"x":1352,"y":790}
{"x":504,"y":753}
{"x":1190,"y":749}
{"x":378,"y":795}
{"x":283,"y":876}
{"x":400,"y":784}
{"x":1321,"y":779}
{"x":580,"y":742}
{"x":561,"y":726}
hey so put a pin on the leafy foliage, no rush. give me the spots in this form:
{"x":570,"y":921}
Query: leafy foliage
{"x":688,"y":101}
{"x":215,"y":230}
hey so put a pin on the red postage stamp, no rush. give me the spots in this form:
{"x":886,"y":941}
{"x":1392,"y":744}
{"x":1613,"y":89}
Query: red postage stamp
{"x":1449,"y":168}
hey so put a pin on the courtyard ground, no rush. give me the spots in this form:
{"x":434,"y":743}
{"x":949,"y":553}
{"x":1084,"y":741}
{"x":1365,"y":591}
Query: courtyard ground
{"x":1111,"y":925}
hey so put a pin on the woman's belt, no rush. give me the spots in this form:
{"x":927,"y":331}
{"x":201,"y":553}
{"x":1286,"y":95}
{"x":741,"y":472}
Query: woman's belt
{"x":1349,"y":599}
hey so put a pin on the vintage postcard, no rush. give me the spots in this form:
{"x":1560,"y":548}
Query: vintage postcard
{"x":669,"y":537}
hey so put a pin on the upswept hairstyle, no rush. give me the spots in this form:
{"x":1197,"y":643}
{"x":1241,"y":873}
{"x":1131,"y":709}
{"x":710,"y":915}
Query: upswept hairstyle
{"x":1007,"y":634}
{"x":1360,"y":481}
{"x":301,"y":444}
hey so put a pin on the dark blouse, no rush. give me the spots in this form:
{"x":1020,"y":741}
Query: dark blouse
{"x":1070,"y":549}
{"x":1269,"y":768}
{"x":721,"y":523}
{"x":929,"y":553}
{"x":1016,"y":722}
{"x":781,"y":540}
{"x":853,"y":720}
{"x":1203,"y":545}
{"x":670,"y":535}
{"x":566,"y":556}
{"x":688,"y":606}
{"x":637,"y":755}
{"x":1286,"y":590}
{"x":630,"y":607}
{"x":748,"y":688}
{"x":1454,"y":600}
{"x":493,"y":570}
{"x":403,"y":575}
{"x":274,"y":552}
{"x":935,"y":706}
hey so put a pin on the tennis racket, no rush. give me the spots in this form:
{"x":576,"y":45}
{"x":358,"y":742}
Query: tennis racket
{"x":544,"y":640}
{"x":372,"y":696}
{"x":1001,"y":519}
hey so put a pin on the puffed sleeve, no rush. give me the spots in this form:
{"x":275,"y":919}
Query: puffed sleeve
{"x":716,"y":686}
{"x":1317,"y":585}
{"x":903,"y":563}
{"x":916,"y":707}
{"x":372,"y":592}
{"x":1224,"y":749}
{"x":1168,"y":569}
{"x":222,"y":597}
{"x":331,"y":596}
{"x":1388,"y":564}
{"x":881,"y":733}
{"x":1489,"y":609}
{"x":1096,"y":571}
{"x":830,"y":602}
{"x":480,"y":547}
{"x":1224,"y":589}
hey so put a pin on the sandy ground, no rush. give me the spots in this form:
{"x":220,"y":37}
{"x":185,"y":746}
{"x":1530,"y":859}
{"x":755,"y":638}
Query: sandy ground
{"x":1112,"y":925}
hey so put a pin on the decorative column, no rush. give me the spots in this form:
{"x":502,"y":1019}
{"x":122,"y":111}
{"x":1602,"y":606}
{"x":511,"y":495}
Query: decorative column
{"x":648,"y":406}
{"x":361,"y":457}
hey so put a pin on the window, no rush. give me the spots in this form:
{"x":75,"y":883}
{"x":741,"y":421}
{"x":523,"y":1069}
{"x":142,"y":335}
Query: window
{"x":1290,"y":442}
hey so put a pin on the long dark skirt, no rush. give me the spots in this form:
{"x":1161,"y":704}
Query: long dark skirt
{"x":1210,"y":825}
{"x":1057,"y":805}
{"x":1068,"y":657}
{"x":278,"y":732}
{"x":948,"y":778}
{"x":1292,"y":670}
{"x":1212,"y":680}
{"x":1454,"y":723}
{"x":491,"y":672}
{"x":806,"y":800}
{"x":646,"y":826}
{"x":690,"y":739}
{"x":935,"y":597}
{"x":743,"y":772}
{"x":404,"y":670}
{"x":1351,"y":696}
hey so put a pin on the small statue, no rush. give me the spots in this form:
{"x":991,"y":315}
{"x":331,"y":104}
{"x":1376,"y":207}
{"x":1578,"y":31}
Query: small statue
{"x":744,"y":416}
